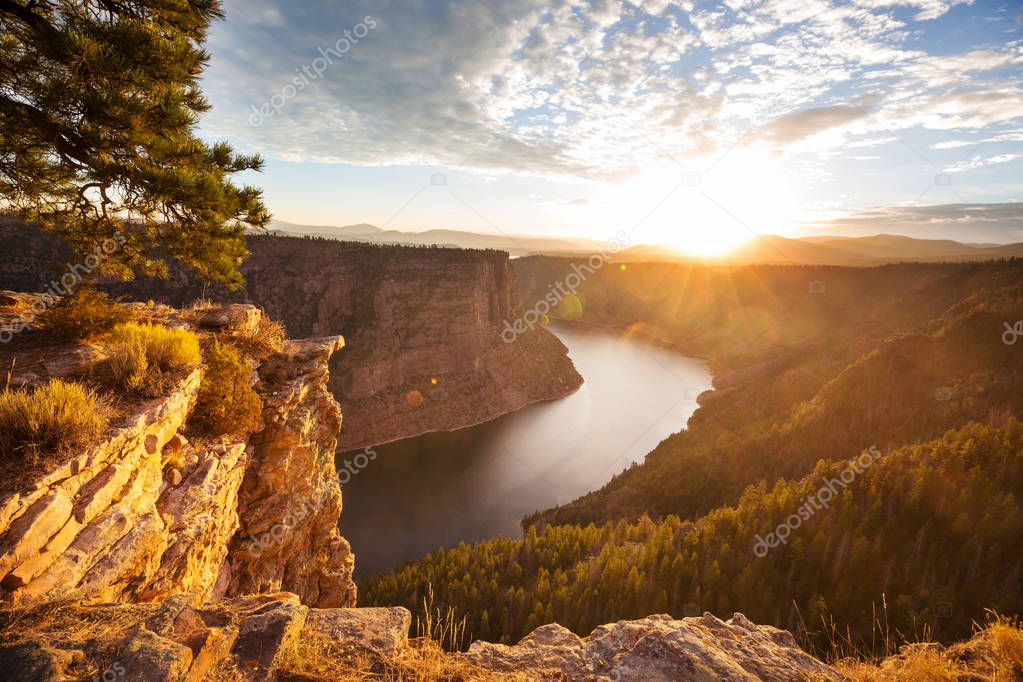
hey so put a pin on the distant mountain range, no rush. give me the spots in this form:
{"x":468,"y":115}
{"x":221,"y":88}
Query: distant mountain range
{"x":516,"y":245}
{"x":769,"y":249}
{"x":872,"y":250}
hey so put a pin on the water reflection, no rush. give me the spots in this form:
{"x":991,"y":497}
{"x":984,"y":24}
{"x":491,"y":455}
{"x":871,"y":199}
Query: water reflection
{"x":472,"y":484}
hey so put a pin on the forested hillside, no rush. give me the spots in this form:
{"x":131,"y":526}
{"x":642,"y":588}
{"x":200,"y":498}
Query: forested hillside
{"x":908,"y":361}
{"x":933,"y":530}
{"x":885,"y":356}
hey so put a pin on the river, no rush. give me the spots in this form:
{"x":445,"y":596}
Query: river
{"x":476,"y":483}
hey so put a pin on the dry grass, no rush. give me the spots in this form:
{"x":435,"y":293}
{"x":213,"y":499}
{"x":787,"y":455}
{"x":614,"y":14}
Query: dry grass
{"x":41,"y":425}
{"x":202,"y":305}
{"x":440,"y":625}
{"x":1007,"y":640}
{"x":316,"y":657}
{"x":97,"y":631}
{"x":994,"y":654}
{"x":145,"y":358}
{"x":266,"y":338}
{"x":919,"y":666}
{"x":83,"y":314}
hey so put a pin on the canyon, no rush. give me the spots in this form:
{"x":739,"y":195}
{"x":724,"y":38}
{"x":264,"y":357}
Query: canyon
{"x":422,"y":325}
{"x":159,"y":554}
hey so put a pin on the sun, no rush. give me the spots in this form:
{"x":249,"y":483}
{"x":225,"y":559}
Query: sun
{"x":710,"y":213}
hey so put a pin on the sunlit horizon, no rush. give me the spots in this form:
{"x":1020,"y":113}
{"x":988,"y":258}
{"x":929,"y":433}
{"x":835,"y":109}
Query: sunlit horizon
{"x":578,"y":120}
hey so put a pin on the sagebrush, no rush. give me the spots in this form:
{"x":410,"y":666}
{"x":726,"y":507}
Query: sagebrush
{"x":51,"y":419}
{"x":145,"y":357}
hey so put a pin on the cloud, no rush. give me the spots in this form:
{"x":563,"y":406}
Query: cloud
{"x":800,"y":125}
{"x":981,"y":223}
{"x":595,"y":89}
{"x":980,"y":162}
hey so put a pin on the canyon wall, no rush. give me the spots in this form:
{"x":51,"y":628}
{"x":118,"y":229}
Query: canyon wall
{"x":422,"y":325}
{"x":146,"y":513}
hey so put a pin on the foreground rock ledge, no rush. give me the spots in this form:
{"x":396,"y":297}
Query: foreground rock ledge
{"x":269,"y":636}
{"x":658,"y":649}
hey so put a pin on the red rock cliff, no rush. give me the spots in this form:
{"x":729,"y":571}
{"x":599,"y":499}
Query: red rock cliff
{"x":422,"y":326}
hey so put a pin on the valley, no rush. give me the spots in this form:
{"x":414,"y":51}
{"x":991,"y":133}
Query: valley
{"x":454,"y":341}
{"x":439,"y":489}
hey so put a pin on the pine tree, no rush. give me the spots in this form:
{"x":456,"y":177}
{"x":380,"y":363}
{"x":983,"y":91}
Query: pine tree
{"x":99,"y":100}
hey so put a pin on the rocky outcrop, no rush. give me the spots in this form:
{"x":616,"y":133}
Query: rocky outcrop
{"x":182,"y":639}
{"x":147,"y":512}
{"x":658,"y":649}
{"x":274,"y":636}
{"x":290,"y":501}
{"x":422,"y":325}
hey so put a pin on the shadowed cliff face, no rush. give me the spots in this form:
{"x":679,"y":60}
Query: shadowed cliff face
{"x":422,"y":325}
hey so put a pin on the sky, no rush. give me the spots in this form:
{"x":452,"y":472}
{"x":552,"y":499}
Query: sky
{"x":695,"y":124}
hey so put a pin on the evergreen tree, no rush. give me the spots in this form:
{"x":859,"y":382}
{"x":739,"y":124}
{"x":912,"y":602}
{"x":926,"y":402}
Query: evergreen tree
{"x":99,"y":100}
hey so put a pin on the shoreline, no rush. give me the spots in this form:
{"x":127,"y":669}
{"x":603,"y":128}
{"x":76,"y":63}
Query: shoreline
{"x":647,"y":336}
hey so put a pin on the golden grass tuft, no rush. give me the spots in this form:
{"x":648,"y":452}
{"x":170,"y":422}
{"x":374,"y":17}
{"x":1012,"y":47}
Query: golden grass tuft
{"x":144,"y":357}
{"x":1005,"y":638}
{"x":320,"y":658}
{"x":994,"y":654}
{"x":41,"y":424}
{"x":926,"y":665}
{"x":202,"y":304}
{"x":82,"y":314}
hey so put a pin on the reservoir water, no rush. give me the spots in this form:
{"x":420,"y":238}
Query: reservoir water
{"x":476,"y":483}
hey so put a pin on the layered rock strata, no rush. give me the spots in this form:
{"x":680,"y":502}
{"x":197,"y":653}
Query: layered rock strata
{"x":147,"y":513}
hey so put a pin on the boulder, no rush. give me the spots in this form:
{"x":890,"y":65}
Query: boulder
{"x":268,"y":632}
{"x":148,"y":657}
{"x":382,"y":631}
{"x":235,"y":316}
{"x":657,"y":649}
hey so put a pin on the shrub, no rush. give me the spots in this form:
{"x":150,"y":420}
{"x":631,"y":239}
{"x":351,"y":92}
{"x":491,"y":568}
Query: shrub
{"x":226,"y":403}
{"x":83,"y":313}
{"x":145,"y":357}
{"x":51,"y":419}
{"x":265,"y":338}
